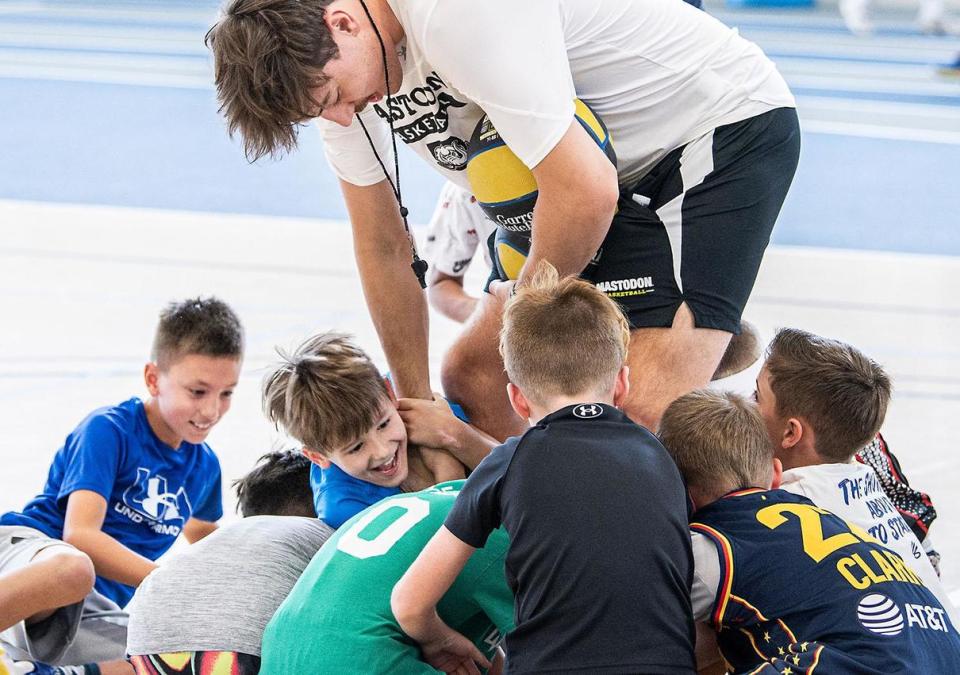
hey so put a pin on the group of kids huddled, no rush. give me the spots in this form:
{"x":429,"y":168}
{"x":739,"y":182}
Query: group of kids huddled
{"x":744,"y":537}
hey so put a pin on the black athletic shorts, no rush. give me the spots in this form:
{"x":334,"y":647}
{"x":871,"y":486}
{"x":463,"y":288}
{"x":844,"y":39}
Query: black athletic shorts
{"x":694,"y":229}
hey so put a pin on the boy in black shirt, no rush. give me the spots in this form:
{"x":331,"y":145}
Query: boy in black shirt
{"x":599,"y":557}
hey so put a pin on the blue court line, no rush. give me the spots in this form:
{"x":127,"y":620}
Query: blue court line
{"x":200,"y":53}
{"x":25,"y":20}
{"x":951,"y":101}
{"x":852,"y":59}
{"x":835,"y":29}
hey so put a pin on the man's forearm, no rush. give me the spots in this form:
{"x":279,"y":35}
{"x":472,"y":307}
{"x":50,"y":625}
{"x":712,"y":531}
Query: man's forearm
{"x":448,"y":297}
{"x":566,"y":235}
{"x":394,"y":298}
{"x":574,"y":207}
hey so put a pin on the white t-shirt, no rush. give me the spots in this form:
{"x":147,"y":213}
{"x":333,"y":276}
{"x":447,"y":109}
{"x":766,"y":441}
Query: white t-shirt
{"x":457,"y":228}
{"x":660,"y":73}
{"x":853,"y":492}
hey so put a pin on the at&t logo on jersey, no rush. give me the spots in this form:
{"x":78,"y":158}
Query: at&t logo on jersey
{"x":881,"y":615}
{"x":149,"y":500}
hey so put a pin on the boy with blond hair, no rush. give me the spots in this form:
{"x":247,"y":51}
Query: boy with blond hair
{"x":127,"y":481}
{"x":594,"y":592}
{"x":823,"y":400}
{"x":790,"y":587}
{"x":330,"y":397}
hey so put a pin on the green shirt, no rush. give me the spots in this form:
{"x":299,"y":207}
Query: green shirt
{"x":337,"y":619}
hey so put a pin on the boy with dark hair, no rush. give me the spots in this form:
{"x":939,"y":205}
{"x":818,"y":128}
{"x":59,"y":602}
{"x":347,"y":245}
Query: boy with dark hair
{"x":822,"y":401}
{"x":279,"y":486}
{"x":210,"y":602}
{"x":594,"y":592}
{"x":128,"y":480}
{"x":337,"y":619}
{"x":330,"y":396}
{"x":786,"y":585}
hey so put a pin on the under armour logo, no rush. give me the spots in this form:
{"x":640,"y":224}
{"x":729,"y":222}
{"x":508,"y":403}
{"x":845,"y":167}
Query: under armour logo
{"x":587,"y":411}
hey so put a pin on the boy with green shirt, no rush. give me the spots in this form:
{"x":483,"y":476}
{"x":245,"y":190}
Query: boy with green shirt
{"x":337,"y":618}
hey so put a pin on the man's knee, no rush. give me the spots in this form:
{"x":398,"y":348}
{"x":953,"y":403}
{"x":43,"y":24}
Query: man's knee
{"x":468,"y":367}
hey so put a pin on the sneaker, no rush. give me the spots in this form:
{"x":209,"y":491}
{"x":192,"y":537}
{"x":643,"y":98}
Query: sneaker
{"x":10,"y":667}
{"x":743,"y":351}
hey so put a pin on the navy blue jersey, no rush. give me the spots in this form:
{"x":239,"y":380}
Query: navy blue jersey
{"x":803,"y":591}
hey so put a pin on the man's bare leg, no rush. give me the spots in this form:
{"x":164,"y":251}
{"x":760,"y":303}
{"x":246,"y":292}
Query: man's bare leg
{"x":666,"y":363}
{"x":472,"y":373}
{"x":57,"y":576}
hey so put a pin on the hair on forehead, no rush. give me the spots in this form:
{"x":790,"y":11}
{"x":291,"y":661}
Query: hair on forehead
{"x":204,"y":326}
{"x":267,"y":55}
{"x":562,"y":336}
{"x":838,"y":390}
{"x":718,"y":440}
{"x":326,"y":393}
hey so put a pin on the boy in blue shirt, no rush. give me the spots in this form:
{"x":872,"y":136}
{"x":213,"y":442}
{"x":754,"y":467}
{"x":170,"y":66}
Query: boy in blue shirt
{"x":329,"y":396}
{"x":127,"y":481}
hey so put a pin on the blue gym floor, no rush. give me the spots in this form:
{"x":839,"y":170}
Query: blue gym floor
{"x":111,"y":103}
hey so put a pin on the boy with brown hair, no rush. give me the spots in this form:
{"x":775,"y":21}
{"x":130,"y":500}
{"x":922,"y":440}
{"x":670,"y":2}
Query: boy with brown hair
{"x":330,"y":397}
{"x":822,"y":401}
{"x":786,"y":585}
{"x":594,"y":592}
{"x":127,"y":481}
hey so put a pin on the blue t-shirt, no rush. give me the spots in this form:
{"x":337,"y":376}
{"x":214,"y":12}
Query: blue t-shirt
{"x":151,"y":489}
{"x":338,"y":496}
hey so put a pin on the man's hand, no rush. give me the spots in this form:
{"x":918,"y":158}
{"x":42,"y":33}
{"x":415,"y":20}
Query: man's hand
{"x":454,"y":653}
{"x":502,"y":290}
{"x":430,"y":423}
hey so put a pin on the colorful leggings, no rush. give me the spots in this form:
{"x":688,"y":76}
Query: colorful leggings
{"x":196,"y":663}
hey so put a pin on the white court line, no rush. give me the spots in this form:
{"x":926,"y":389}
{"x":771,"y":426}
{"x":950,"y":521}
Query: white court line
{"x":867,"y":108}
{"x":127,"y":42}
{"x":879,"y":82}
{"x":138,"y":78}
{"x":892,"y":133}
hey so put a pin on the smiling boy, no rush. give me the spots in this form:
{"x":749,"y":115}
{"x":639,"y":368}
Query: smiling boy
{"x":127,"y":481}
{"x":329,"y":396}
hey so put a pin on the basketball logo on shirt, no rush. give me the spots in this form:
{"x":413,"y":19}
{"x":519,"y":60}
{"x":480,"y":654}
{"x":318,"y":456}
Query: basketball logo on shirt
{"x":149,"y":498}
{"x":450,"y":153}
{"x":588,"y":411}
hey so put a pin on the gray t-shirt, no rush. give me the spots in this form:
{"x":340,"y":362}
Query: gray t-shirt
{"x":219,"y":594}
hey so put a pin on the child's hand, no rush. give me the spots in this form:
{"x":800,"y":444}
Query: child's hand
{"x":430,"y":423}
{"x":453,"y":653}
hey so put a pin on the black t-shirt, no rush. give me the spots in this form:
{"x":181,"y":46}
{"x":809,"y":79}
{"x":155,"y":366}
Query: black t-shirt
{"x":599,"y":556}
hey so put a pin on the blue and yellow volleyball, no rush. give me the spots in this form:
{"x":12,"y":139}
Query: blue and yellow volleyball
{"x":507,"y":191}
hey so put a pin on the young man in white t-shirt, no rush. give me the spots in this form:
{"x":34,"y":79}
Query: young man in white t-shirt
{"x":822,"y":401}
{"x":457,"y":228}
{"x":705,"y":129}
